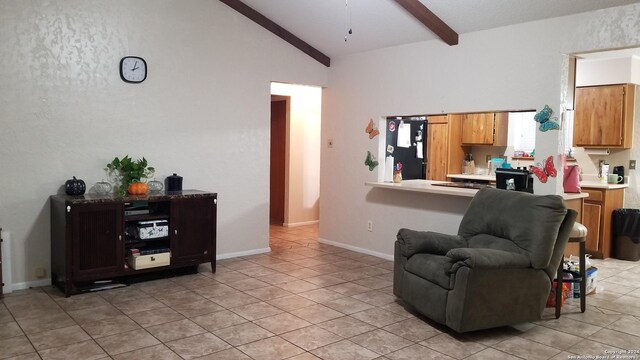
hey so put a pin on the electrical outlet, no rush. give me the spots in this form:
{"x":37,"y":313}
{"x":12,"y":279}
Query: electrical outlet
{"x":632,"y":164}
{"x":370,"y":225}
{"x":488,"y":158}
{"x":330,"y":143}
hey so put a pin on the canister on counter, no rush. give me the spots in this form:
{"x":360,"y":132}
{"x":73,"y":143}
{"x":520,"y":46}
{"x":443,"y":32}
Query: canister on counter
{"x":174,"y":182}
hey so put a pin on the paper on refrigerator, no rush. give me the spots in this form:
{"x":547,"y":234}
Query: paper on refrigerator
{"x":404,"y":135}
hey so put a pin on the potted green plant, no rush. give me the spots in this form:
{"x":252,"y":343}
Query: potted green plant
{"x":131,"y":173}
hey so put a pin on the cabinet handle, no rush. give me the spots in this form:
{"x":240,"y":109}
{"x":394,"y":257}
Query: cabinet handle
{"x":175,"y":231}
{"x":215,"y":201}
{"x":68,"y":208}
{"x":119,"y":237}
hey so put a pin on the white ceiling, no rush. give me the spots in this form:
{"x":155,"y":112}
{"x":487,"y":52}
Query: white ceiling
{"x":382,"y":23}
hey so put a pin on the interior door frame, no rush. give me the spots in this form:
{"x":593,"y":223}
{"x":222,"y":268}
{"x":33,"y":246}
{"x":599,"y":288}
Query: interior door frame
{"x":285,"y":199}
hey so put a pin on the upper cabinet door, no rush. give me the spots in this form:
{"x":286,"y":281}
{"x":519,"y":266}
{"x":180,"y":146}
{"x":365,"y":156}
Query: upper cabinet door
{"x":477,"y":129}
{"x":603,"y":116}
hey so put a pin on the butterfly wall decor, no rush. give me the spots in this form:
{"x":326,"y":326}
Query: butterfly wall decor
{"x":371,"y":161}
{"x":544,"y":118}
{"x":545,"y":171}
{"x":371,"y":130}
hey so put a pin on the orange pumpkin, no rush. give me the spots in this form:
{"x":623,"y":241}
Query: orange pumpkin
{"x":137,"y":188}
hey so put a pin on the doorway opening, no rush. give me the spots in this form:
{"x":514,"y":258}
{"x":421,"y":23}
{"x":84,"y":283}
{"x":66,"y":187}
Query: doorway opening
{"x":295,"y":154}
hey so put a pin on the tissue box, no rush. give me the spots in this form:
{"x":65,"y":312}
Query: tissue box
{"x":592,"y":279}
{"x":152,"y":229}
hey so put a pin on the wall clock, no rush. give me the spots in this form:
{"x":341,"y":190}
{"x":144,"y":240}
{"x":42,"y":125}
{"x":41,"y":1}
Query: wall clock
{"x":133,"y":69}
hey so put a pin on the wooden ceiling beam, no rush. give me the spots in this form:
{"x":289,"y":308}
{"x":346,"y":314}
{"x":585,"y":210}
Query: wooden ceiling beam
{"x":430,"y":20}
{"x":278,"y":30}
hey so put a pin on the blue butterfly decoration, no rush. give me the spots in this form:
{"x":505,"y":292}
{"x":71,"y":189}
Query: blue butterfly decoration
{"x":370,"y":161}
{"x":543,"y":117}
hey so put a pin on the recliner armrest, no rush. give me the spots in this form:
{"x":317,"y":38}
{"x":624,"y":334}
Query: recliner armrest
{"x":478,"y":258}
{"x":414,"y":242}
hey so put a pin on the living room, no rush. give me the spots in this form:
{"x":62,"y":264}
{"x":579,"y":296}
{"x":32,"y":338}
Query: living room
{"x":203,"y":112}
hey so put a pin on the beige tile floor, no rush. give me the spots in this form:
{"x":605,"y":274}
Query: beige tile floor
{"x":304,"y":300}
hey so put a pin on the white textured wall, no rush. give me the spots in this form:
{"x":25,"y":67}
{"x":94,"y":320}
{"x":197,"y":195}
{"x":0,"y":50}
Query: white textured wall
{"x":203,"y":111}
{"x":304,"y":152}
{"x":591,"y":72}
{"x":515,"y":67}
{"x":632,"y":194}
{"x":635,"y":70}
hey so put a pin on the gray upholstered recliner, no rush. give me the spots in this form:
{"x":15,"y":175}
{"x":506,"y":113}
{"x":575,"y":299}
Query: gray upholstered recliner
{"x":497,"y":271}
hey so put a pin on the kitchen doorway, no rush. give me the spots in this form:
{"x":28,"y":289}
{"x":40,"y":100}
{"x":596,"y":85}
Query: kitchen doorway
{"x":295,"y":154}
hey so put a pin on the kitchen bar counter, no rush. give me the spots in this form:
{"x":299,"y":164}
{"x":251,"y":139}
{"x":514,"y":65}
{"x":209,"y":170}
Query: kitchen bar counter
{"x":426,"y":186}
{"x":584,"y":183}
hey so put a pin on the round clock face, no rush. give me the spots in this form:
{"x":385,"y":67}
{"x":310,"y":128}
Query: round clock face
{"x":133,"y":69}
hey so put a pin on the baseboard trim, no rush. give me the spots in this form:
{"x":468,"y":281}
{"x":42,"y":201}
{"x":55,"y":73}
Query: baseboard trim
{"x":243,"y":253}
{"x":356,"y":249}
{"x":29,"y":284}
{"x":302,"y":223}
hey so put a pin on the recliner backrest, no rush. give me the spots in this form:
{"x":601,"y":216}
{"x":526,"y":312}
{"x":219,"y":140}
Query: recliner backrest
{"x":531,"y":221}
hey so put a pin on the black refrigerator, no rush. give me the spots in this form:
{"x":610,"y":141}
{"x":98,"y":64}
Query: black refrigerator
{"x":411,"y":151}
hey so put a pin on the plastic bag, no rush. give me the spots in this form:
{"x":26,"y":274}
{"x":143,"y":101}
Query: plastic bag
{"x":571,"y":181}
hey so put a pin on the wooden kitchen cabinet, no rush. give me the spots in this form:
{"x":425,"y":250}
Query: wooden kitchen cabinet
{"x":94,"y":238}
{"x":591,"y":220}
{"x":437,"y":147}
{"x":597,"y":217}
{"x":444,"y":150}
{"x":484,"y":128}
{"x":604,"y":116}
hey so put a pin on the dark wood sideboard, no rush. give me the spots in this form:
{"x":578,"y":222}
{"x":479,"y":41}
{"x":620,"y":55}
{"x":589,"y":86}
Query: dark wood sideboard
{"x":90,"y":245}
{"x":1,"y":281}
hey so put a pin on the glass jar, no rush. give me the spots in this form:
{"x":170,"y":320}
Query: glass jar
{"x":155,"y":186}
{"x":103,"y":187}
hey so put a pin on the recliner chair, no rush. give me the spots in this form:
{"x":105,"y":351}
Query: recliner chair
{"x":497,"y":271}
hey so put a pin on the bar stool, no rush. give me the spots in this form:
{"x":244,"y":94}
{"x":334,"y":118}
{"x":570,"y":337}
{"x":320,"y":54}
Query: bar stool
{"x":578,"y":235}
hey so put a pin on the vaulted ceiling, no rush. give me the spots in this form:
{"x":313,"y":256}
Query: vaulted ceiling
{"x":323,"y":24}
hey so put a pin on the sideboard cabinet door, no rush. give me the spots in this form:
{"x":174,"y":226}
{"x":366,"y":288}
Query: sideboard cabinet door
{"x":96,"y":240}
{"x":193,"y":230}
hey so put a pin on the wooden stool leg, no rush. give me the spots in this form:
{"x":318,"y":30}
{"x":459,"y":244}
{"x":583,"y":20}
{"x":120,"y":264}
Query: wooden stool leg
{"x":558,"y":290}
{"x":583,"y":275}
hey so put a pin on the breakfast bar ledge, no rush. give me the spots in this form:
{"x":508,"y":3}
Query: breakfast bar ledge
{"x":426,"y":186}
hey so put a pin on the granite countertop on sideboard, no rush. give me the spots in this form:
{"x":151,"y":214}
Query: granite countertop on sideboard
{"x":92,"y":198}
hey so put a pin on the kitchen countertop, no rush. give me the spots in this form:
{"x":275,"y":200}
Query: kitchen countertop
{"x":426,"y":186}
{"x":601,"y":185}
